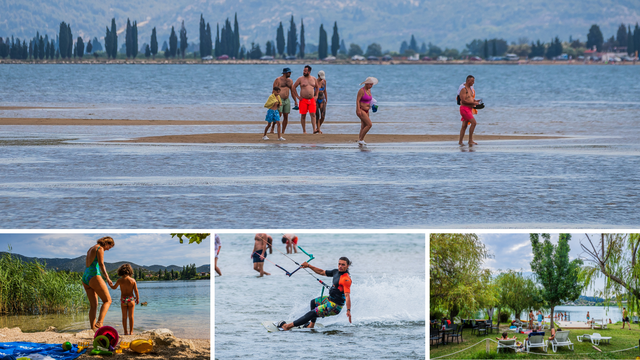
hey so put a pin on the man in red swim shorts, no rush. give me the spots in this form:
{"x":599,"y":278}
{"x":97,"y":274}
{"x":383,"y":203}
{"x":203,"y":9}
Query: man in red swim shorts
{"x":467,"y":104}
{"x":307,"y":98}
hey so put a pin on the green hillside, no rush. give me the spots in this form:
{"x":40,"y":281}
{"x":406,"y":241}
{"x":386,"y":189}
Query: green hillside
{"x":447,"y":24}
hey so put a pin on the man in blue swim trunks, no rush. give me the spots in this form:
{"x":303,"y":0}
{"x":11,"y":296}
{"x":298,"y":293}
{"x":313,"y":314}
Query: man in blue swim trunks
{"x":260,"y":253}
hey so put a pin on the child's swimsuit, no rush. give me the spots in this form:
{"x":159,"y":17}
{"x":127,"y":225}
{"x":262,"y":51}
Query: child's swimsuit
{"x":127,"y":299}
{"x":92,"y":270}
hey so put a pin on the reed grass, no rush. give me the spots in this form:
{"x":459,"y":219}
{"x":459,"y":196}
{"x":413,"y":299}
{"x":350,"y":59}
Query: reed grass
{"x":29,"y":288}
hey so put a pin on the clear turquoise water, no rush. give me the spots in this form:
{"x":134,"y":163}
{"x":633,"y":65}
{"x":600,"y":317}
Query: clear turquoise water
{"x":181,"y":306}
{"x":586,"y":181}
{"x":387,"y":294}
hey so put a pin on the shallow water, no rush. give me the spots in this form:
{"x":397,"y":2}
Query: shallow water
{"x":387,"y":294}
{"x":181,"y":306}
{"x":587,"y":180}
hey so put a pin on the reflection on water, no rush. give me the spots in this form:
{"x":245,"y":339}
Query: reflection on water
{"x":181,"y":306}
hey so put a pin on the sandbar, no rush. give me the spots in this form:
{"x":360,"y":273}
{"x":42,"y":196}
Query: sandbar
{"x":166,"y":347}
{"x":123,"y":122}
{"x":243,"y":138}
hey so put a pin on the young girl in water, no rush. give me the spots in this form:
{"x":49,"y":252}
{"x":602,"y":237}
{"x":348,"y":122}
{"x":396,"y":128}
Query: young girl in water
{"x":128,"y":301}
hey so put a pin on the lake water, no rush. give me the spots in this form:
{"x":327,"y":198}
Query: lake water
{"x":181,"y":306}
{"x":387,"y":299}
{"x":587,"y":181}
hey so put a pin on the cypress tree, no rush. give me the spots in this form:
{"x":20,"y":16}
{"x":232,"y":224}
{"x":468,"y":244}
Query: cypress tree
{"x":413,"y":44}
{"x":128,"y":39}
{"x":36,"y":46}
{"x":280,"y":40}
{"x":147,"y":52}
{"x":203,"y":32}
{"x":30,"y":48}
{"x":636,"y":38}
{"x":63,"y":41}
{"x":621,"y":36}
{"x":52,"y":49}
{"x":89,"y":47}
{"x":243,"y":52}
{"x":322,"y":44}
{"x":209,"y":47}
{"x":301,"y":39}
{"x":70,"y":39}
{"x":25,"y":51}
{"x":335,"y":40}
{"x":218,"y":49}
{"x":229,"y":40}
{"x":183,"y":40}
{"x":494,"y":49}
{"x":46,"y":50}
{"x":41,"y":48}
{"x":631,"y":50}
{"x":173,"y":43}
{"x":292,"y":38}
{"x":107,"y":43}
{"x":154,"y":43}
{"x":114,"y":39}
{"x":80,"y":47}
{"x":135,"y":39}
{"x":486,"y":49}
{"x":57,"y":54}
{"x":236,"y":36}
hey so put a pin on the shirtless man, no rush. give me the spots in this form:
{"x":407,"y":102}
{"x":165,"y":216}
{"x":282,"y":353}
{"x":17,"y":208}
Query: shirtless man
{"x":285,"y":84}
{"x":467,"y":103}
{"x":308,"y":98}
{"x":260,"y":253}
{"x":292,"y":241}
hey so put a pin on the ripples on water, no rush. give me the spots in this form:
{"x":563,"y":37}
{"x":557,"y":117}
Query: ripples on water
{"x":586,"y":181}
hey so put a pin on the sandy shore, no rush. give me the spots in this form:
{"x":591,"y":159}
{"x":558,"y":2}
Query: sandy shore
{"x":237,"y":138}
{"x":166,"y":347}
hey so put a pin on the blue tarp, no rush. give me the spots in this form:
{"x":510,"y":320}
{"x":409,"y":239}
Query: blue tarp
{"x":24,"y":349}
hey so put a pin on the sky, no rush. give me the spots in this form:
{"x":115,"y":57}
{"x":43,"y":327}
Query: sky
{"x":513,"y":252}
{"x":141,"y":249}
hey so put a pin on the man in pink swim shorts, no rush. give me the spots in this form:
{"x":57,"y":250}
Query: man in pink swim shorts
{"x":467,"y":104}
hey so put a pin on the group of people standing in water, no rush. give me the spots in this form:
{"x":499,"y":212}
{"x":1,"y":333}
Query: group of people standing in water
{"x":313,"y":98}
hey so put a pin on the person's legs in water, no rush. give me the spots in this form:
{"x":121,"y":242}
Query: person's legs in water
{"x":124,"y":308}
{"x":463,"y":129}
{"x":320,"y":307}
{"x":217,"y":268}
{"x":98,"y":285}
{"x":131,"y":307}
{"x":93,"y":304}
{"x":365,"y":125}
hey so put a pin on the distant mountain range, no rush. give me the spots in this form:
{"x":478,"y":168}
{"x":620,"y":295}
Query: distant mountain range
{"x":388,"y":22}
{"x":78,"y":264}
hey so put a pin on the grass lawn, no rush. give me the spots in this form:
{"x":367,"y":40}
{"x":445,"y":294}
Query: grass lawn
{"x":620,"y":339}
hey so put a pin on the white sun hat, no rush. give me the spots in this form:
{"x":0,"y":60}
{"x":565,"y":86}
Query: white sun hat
{"x":370,"y":80}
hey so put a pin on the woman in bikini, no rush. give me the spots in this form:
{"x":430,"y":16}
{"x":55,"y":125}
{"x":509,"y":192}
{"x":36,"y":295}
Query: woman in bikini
{"x":363,"y":104}
{"x":321,"y":108}
{"x":93,"y":283}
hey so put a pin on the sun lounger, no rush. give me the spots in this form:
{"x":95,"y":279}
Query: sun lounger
{"x":507,"y":344}
{"x":600,"y":323}
{"x":561,"y":339}
{"x":595,"y":338}
{"x":536,"y":341}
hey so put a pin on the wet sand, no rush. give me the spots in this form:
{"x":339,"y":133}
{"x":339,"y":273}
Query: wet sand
{"x":238,"y":138}
{"x":166,"y":347}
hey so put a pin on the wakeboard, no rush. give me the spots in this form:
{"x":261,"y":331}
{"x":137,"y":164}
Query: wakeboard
{"x":272,"y":326}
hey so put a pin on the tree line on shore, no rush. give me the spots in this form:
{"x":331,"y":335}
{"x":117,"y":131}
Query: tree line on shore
{"x":188,"y":272}
{"x":227,"y":42}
